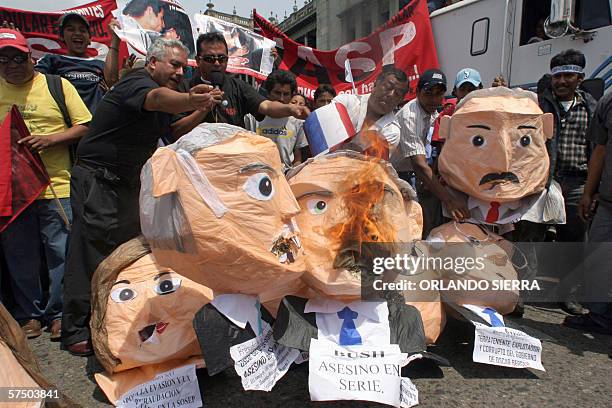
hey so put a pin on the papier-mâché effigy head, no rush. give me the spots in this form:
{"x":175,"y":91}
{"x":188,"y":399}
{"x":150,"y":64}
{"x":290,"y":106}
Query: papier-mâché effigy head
{"x":143,"y":312}
{"x":216,"y":207}
{"x":347,"y":199}
{"x":495,"y":145}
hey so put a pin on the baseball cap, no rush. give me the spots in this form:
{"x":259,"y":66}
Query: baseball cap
{"x":431,"y":78}
{"x":14,"y":39}
{"x":468,"y":75}
{"x":70,"y":16}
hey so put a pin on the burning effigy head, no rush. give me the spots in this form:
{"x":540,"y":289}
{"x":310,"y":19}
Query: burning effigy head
{"x":495,"y":145}
{"x":143,"y":312}
{"x":348,"y":200}
{"x":216,"y":207}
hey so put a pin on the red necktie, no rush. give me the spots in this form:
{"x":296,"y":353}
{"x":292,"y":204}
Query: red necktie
{"x":493,"y":213}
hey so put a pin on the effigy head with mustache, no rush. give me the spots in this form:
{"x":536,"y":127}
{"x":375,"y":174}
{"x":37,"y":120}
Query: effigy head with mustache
{"x":495,"y":148}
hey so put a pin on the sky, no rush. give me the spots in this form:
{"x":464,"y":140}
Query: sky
{"x":243,"y":8}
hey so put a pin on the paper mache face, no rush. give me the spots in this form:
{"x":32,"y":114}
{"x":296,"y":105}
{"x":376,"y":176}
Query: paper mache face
{"x":149,"y":314}
{"x":495,"y":145}
{"x":216,"y":207}
{"x":470,"y":241}
{"x":325,"y":189}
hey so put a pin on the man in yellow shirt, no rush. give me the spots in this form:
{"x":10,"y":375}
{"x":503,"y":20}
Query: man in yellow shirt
{"x":40,"y":225}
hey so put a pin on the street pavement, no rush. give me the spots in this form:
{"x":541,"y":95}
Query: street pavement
{"x":578,"y":374}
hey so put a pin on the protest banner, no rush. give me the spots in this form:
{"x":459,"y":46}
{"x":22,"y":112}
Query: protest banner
{"x":42,"y":29}
{"x":143,"y":22}
{"x":405,"y":41}
{"x":249,"y":53}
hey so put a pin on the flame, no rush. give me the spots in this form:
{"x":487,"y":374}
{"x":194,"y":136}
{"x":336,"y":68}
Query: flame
{"x":366,"y":220}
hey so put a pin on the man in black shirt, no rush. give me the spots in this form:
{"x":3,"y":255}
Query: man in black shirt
{"x":235,"y":98}
{"x":105,"y":182}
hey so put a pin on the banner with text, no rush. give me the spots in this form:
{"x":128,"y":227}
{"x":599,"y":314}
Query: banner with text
{"x":42,"y":30}
{"x":141,"y":23}
{"x":405,"y":41}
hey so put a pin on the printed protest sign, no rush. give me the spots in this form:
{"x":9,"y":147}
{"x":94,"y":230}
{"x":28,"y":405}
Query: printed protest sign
{"x":409,"y":394}
{"x":178,"y":387}
{"x":506,"y":347}
{"x":261,"y":361}
{"x":368,"y":373}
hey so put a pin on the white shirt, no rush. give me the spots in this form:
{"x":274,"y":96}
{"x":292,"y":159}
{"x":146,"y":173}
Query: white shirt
{"x":387,"y":125}
{"x":414,"y":124}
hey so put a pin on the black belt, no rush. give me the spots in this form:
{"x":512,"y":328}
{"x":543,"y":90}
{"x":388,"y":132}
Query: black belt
{"x":104,"y":174}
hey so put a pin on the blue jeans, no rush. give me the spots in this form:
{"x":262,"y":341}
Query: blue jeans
{"x":599,"y":270}
{"x":38,"y":232}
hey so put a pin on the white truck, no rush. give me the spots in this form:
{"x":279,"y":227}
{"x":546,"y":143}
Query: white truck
{"x":517,"y":38}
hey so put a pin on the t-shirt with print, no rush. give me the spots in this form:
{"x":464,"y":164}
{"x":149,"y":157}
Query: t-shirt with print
{"x":287,"y":133}
{"x":85,"y":74}
{"x":241,"y":98}
{"x":43,"y":117}
{"x":123,"y":135}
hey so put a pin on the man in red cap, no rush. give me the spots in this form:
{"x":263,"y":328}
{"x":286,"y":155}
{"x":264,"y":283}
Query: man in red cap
{"x":40,"y":225}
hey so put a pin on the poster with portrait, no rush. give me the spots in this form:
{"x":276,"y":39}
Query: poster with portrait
{"x":144,"y":21}
{"x":249,"y":53}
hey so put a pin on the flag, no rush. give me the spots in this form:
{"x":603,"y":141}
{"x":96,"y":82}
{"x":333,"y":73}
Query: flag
{"x":327,"y":127}
{"x":348,"y":73}
{"x":23,"y":176}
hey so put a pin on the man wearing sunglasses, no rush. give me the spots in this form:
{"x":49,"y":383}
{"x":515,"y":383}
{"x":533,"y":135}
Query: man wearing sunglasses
{"x":234,"y":98}
{"x":40,"y":224}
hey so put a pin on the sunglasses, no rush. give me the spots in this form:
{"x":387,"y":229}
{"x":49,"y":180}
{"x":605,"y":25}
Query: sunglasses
{"x":17,"y":59}
{"x":211,"y":59}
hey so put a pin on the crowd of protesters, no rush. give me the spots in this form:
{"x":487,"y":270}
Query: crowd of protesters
{"x":114,"y":125}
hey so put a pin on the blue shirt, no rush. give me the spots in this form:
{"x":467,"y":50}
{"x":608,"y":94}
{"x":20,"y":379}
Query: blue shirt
{"x":85,"y":74}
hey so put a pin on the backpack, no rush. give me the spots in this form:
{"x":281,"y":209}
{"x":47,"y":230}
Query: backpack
{"x":54,"y":83}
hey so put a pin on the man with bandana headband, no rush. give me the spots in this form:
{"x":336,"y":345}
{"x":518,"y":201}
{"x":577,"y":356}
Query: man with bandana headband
{"x":569,"y":150}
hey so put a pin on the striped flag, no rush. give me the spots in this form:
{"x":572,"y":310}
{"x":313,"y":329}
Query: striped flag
{"x":327,"y":127}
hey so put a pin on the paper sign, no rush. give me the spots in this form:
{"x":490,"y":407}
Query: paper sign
{"x":302,"y":358}
{"x":178,"y":387}
{"x":506,"y":347}
{"x":365,"y":373}
{"x":409,"y":394}
{"x":261,"y":361}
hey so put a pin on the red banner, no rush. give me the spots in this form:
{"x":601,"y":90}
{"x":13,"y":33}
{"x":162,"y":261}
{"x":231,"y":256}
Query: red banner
{"x":405,"y":41}
{"x":42,"y":30}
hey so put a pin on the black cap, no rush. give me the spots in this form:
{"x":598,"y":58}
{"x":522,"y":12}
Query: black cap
{"x":69,"y":16}
{"x":431,"y":78}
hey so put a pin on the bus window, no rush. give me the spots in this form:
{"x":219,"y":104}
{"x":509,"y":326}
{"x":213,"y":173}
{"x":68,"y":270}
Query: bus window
{"x":591,"y":14}
{"x":532,"y":21}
